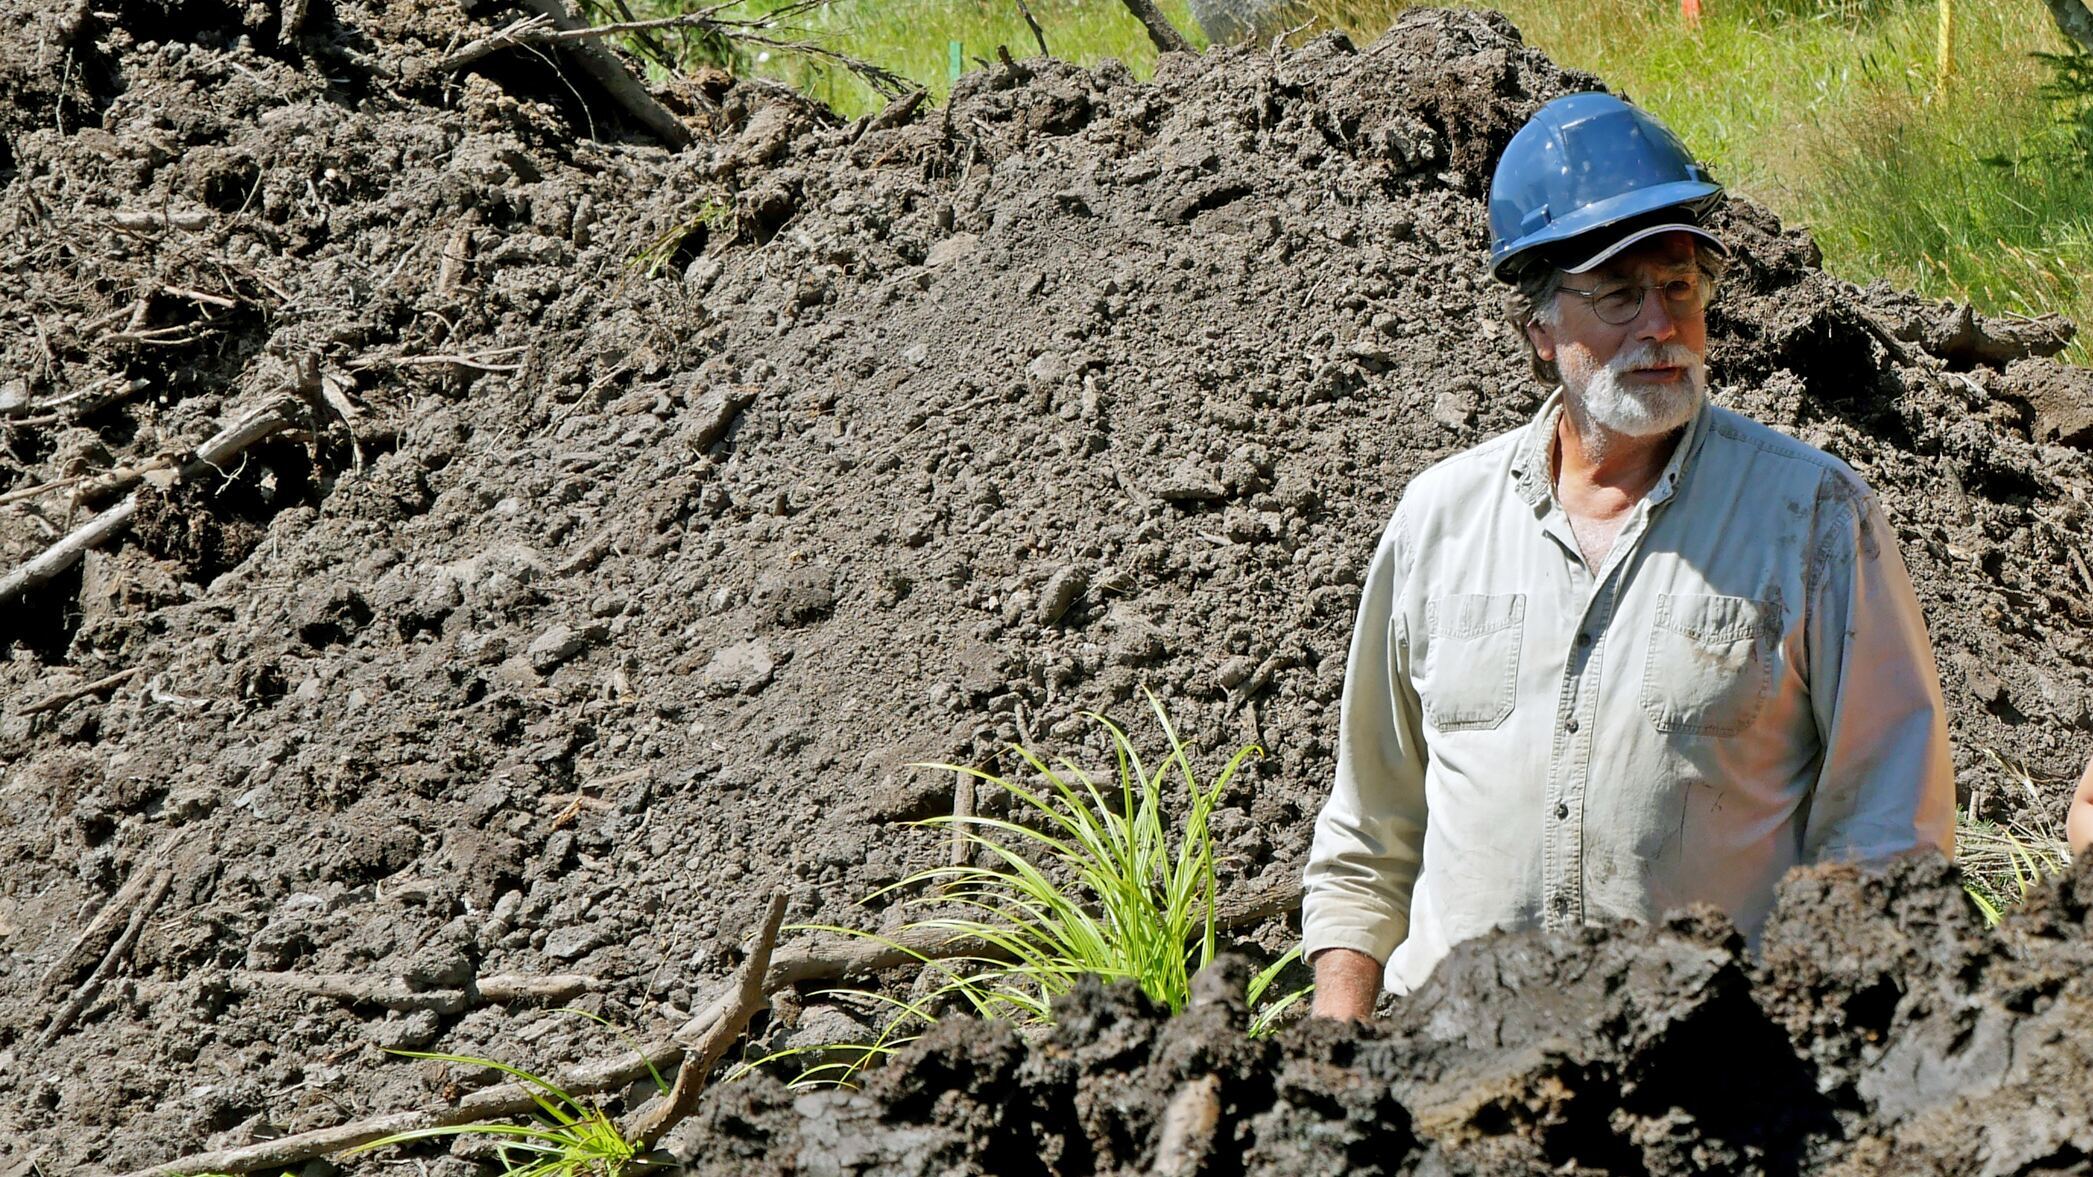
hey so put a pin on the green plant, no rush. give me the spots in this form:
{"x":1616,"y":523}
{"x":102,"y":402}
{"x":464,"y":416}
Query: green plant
{"x":714,"y":212}
{"x":1122,"y":891}
{"x":1137,"y":902}
{"x":570,"y":1138}
{"x":2002,"y":863}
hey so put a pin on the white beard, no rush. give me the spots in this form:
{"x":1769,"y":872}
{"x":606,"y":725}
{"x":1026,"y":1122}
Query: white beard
{"x":1606,"y":408}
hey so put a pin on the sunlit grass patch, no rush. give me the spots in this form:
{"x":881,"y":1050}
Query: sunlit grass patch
{"x":2002,"y":863}
{"x":1087,"y":878}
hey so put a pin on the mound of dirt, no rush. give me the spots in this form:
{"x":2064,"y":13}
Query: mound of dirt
{"x":1885,"y":1032}
{"x":650,"y":512}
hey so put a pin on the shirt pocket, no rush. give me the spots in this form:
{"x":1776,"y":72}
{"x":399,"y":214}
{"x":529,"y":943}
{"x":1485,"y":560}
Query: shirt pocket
{"x":1709,"y":663}
{"x":1474,"y":665}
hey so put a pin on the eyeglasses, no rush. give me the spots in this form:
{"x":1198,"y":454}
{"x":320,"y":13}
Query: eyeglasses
{"x":1618,"y":303}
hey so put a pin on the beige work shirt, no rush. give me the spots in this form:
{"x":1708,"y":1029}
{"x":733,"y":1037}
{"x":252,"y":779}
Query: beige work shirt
{"x":1743,"y":686}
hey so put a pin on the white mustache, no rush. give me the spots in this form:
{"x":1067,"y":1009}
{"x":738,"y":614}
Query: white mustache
{"x":1654,"y":355}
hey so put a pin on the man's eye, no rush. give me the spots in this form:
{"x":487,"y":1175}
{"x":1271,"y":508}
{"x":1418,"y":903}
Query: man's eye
{"x":1680,"y":290}
{"x":1618,"y":300}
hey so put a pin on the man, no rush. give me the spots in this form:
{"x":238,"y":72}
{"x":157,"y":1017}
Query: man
{"x":1639,"y":653}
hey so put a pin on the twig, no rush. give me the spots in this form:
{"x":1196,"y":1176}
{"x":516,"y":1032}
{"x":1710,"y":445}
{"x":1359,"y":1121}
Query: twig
{"x":94,"y":940}
{"x":1165,"y":35}
{"x":506,"y":37}
{"x":1038,"y":34}
{"x":118,"y":952}
{"x":705,"y":1043}
{"x":394,"y":993}
{"x":271,"y":418}
{"x":60,"y":699}
{"x":508,"y":1099}
{"x":41,"y":489}
{"x":614,"y":78}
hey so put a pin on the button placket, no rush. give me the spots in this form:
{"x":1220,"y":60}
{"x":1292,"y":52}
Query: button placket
{"x":1563,"y":885}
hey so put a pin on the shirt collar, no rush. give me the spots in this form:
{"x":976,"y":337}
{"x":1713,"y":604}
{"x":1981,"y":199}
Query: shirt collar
{"x":1531,"y":471}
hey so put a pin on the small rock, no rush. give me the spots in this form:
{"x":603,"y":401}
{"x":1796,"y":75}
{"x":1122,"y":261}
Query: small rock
{"x":1049,"y":367}
{"x":440,"y":964}
{"x":1234,"y":671}
{"x":1190,"y":484}
{"x":1061,"y":592}
{"x":407,"y":1032}
{"x":712,"y":412}
{"x":556,"y":646}
{"x":742,"y":668}
{"x":572,"y":941}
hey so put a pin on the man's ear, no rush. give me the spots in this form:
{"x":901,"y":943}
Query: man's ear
{"x":1543,"y":342}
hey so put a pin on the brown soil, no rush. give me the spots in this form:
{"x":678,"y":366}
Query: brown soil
{"x":659,"y":509}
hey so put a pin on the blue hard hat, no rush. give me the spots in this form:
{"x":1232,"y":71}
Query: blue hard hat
{"x":1587,"y":162}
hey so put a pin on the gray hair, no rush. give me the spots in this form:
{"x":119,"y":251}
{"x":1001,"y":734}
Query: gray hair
{"x":1531,"y":299}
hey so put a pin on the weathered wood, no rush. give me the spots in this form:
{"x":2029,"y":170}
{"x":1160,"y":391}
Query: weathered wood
{"x":705,"y":1044}
{"x":272,"y":418}
{"x":2075,"y":20}
{"x":617,"y":81}
{"x":1165,"y":35}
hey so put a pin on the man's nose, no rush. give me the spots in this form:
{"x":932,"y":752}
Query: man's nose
{"x":1656,"y":320}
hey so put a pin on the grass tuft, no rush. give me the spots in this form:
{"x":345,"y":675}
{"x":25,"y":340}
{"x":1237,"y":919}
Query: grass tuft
{"x":1086,"y":879}
{"x":2002,"y":863}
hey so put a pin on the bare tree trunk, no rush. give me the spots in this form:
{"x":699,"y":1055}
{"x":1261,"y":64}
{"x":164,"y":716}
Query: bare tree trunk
{"x":2075,"y":19}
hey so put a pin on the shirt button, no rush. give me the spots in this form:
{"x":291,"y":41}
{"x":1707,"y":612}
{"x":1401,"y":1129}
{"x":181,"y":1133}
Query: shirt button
{"x":1570,"y":725}
{"x":1562,"y":905}
{"x":1584,"y":639}
{"x":1562,"y":810}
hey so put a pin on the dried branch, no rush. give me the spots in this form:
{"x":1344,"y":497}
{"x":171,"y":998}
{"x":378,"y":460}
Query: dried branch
{"x":272,"y":418}
{"x":706,"y":1039}
{"x":609,"y":73}
{"x":58,"y":700}
{"x":2075,"y":20}
{"x":1165,"y":35}
{"x":118,"y":953}
{"x":1032,"y":22}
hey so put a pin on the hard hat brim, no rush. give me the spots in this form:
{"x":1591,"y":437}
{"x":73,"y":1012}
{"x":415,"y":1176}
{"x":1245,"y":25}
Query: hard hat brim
{"x":1613,"y":248}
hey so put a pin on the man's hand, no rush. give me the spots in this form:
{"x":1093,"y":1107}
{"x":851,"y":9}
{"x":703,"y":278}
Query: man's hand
{"x":1346,"y":984}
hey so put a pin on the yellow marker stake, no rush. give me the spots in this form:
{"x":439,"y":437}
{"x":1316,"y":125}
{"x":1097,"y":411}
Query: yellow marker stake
{"x":1944,"y":48}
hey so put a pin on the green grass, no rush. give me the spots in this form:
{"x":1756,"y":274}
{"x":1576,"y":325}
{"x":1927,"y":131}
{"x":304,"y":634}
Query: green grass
{"x":569,"y":1137}
{"x":2002,"y":863}
{"x":1113,"y":880}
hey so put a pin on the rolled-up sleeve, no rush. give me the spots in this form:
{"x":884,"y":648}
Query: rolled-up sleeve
{"x":1369,"y":839}
{"x":1886,"y":785}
